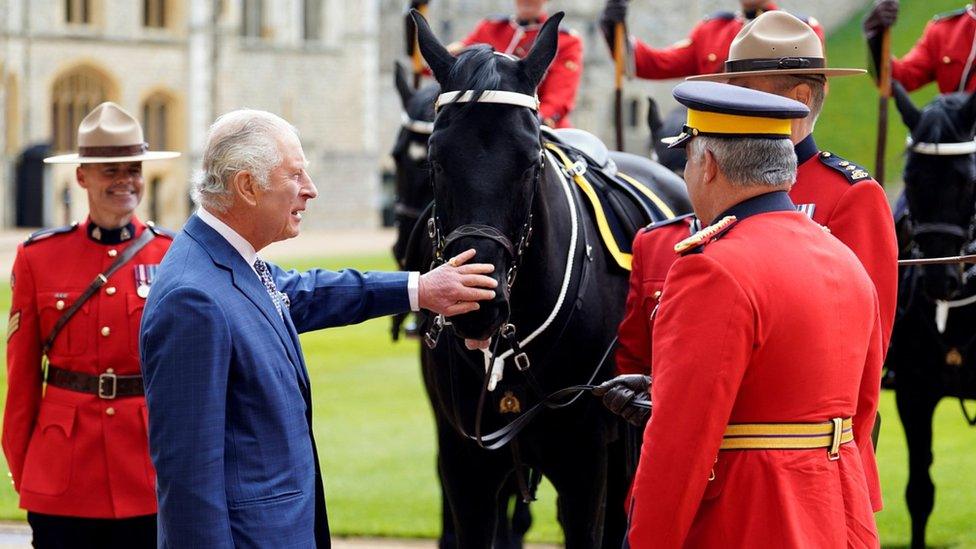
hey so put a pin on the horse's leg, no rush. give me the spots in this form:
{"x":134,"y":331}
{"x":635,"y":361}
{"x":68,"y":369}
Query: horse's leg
{"x":511,"y":527}
{"x":580,"y":479}
{"x":448,"y":535}
{"x":618,"y":483}
{"x":471,"y":479}
{"x":915,"y":408}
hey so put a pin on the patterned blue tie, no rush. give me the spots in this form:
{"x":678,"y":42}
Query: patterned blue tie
{"x":265,"y":275}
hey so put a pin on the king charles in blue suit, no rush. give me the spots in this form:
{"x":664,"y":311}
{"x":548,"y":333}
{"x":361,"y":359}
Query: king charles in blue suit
{"x":227,"y":388}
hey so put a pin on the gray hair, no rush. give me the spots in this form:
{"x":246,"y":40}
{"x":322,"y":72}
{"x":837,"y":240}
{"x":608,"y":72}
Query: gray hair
{"x":749,"y":161}
{"x":238,"y":141}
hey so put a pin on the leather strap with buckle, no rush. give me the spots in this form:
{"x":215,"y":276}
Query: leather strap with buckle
{"x":830,"y":435}
{"x":106,"y":386}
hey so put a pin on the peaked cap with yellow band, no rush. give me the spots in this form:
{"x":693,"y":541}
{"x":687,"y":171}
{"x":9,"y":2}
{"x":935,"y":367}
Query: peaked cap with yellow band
{"x":776,"y":43}
{"x":723,"y":110}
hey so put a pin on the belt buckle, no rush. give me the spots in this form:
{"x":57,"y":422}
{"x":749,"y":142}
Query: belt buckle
{"x":833,"y":453}
{"x":102,"y":393}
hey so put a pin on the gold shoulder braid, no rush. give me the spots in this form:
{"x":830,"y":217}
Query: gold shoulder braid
{"x":704,"y":235}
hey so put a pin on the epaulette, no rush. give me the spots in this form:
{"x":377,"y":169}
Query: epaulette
{"x":851,"y":171}
{"x":159,"y":231}
{"x":949,"y":14}
{"x":44,"y":234}
{"x":666,"y":222}
{"x":724,"y":15}
{"x":695,"y":243}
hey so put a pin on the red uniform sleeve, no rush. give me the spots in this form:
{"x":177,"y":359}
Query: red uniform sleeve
{"x":478,"y":36}
{"x":558,"y":90}
{"x":917,"y":67}
{"x":862,"y":220}
{"x":671,"y":62}
{"x":866,"y":414}
{"x":634,"y":334}
{"x":704,"y":334}
{"x":23,"y":368}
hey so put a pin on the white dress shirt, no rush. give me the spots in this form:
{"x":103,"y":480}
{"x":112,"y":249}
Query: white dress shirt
{"x":246,"y":250}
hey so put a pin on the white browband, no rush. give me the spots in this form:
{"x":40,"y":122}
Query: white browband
{"x":489,"y":96}
{"x":418,"y":126}
{"x":942,"y":149}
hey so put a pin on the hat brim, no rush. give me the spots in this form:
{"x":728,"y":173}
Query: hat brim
{"x":725,"y":76}
{"x":75,"y":159}
{"x":679,"y":141}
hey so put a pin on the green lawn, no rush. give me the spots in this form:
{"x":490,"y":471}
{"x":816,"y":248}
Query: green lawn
{"x":849,"y":121}
{"x":374,"y":428}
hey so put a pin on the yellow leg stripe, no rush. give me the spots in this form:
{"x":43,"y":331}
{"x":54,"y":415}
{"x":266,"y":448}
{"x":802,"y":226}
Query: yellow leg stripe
{"x":622,"y":258}
{"x":668,"y":212}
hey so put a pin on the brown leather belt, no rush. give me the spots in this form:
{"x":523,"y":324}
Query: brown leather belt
{"x":106,"y":386}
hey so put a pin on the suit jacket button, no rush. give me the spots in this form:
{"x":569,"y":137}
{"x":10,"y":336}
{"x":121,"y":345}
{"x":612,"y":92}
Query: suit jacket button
{"x":113,"y":253}
{"x":59,"y":305}
{"x":106,"y":331}
{"x":110,"y":411}
{"x":110,"y":290}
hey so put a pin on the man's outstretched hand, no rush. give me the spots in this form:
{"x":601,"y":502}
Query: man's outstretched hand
{"x":455,"y":288}
{"x":619,"y":393}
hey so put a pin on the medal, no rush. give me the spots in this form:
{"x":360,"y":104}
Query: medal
{"x":144,"y":278}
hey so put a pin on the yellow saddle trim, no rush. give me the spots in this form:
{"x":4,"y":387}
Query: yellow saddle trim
{"x":781,"y":436}
{"x":622,"y":258}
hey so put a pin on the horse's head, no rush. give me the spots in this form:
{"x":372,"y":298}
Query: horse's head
{"x":940,"y":183}
{"x":413,"y":192}
{"x":486,"y":158}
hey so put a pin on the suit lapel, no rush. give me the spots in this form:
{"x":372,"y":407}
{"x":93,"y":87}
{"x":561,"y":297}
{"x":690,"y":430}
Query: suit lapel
{"x":248,"y":283}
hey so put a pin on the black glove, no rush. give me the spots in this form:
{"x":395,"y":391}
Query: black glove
{"x":615,"y":11}
{"x":883,"y":15}
{"x":619,"y":393}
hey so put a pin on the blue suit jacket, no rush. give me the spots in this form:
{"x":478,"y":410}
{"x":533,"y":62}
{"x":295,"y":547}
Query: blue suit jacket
{"x":228,"y":392}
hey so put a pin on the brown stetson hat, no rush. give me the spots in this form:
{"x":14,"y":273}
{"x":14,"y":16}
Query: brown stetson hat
{"x":776,"y":43}
{"x":109,"y":134}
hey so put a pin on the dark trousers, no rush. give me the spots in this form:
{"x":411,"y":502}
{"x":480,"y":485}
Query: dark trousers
{"x":57,"y":532}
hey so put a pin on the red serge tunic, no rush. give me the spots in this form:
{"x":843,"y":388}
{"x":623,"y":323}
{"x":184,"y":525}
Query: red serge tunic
{"x":73,"y":453}
{"x":946,"y":53}
{"x":704,"y":51}
{"x":856,"y":211}
{"x":557,"y":92}
{"x":773,"y":321}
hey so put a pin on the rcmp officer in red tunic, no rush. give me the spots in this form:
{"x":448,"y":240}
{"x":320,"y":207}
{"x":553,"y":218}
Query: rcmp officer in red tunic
{"x":704,"y":51}
{"x":834,"y":192}
{"x":514,"y":36}
{"x":945,"y":54}
{"x":77,"y":447}
{"x":766,"y":334}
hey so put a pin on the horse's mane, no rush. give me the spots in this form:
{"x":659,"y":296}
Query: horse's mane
{"x":940,"y":121}
{"x":476,"y":70}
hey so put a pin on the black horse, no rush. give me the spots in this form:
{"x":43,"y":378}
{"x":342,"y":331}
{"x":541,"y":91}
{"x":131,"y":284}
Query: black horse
{"x":560,"y":298}
{"x":413,"y":197}
{"x":932,"y":351}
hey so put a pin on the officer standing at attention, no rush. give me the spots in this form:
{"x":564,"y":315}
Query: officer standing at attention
{"x":834,"y":192}
{"x":945,"y":53}
{"x":704,"y":51}
{"x":514,"y":35}
{"x":751,"y":440}
{"x":77,"y":449}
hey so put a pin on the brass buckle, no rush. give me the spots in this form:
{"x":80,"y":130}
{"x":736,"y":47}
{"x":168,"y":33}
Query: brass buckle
{"x":102,"y":393}
{"x":833,"y":454}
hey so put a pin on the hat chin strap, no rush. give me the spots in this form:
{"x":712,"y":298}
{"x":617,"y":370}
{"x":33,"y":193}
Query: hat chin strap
{"x":941,"y":149}
{"x":489,"y":96}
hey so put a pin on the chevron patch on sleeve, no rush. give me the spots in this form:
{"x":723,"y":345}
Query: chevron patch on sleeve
{"x":13,"y":324}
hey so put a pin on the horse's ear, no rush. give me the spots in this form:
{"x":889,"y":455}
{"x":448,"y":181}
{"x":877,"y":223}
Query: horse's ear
{"x":543,"y":51}
{"x":403,"y":87}
{"x":910,"y":114}
{"x":438,"y":58}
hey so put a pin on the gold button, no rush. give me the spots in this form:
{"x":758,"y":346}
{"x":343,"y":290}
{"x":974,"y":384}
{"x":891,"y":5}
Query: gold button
{"x":113,"y":253}
{"x":106,"y":331}
{"x":60,"y":304}
{"x":946,"y":59}
{"x":657,"y":294}
{"x":712,"y":57}
{"x":825,"y":154}
{"x":110,"y":290}
{"x":845,"y":163}
{"x":109,"y":370}
{"x":110,"y":411}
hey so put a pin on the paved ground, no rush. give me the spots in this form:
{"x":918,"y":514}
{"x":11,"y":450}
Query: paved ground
{"x":16,"y":535}
{"x":308,"y":244}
